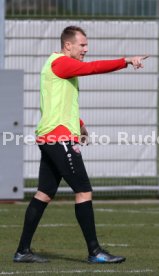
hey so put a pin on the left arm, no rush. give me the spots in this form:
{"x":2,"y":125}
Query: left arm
{"x":84,"y":134}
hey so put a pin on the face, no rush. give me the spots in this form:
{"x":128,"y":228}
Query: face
{"x":78,"y":47}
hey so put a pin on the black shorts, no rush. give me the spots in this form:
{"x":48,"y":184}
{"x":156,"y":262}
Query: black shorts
{"x":62,"y":160}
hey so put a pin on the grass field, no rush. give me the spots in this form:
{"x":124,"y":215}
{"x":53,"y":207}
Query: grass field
{"x":131,"y":230}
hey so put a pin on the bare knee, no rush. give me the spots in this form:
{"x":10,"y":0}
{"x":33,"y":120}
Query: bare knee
{"x":42,"y":196}
{"x":82,"y":197}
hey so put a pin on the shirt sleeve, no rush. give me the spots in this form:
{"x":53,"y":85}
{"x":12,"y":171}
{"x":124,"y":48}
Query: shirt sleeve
{"x":81,"y":122}
{"x":66,"y":67}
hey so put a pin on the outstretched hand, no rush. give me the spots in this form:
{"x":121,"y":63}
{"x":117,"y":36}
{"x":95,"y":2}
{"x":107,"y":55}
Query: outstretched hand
{"x":136,"y":61}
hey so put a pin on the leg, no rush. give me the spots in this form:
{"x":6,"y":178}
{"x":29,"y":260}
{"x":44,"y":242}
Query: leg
{"x":85,"y":217}
{"x":78,"y":180}
{"x":34,"y":212}
{"x":33,"y":215}
{"x":70,"y":165}
{"x":82,"y":197}
{"x":84,"y":209}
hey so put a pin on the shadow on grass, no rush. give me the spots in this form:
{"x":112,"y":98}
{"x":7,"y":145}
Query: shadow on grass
{"x":55,"y":256}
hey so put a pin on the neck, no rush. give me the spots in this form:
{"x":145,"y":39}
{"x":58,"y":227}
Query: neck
{"x":65,"y":52}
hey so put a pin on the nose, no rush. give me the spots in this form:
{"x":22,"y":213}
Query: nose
{"x":86,"y":49}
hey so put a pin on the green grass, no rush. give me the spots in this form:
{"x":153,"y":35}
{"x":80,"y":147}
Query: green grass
{"x":127,"y":229}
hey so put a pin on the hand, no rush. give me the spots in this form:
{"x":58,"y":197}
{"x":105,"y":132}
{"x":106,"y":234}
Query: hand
{"x":136,"y":61}
{"x":84,"y":135}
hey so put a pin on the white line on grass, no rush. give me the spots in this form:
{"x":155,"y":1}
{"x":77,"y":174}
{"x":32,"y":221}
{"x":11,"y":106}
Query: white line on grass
{"x":75,"y":225}
{"x":4,"y":210}
{"x":127,"y":211}
{"x":41,"y":225}
{"x":58,"y":225}
{"x":9,"y":226}
{"x":116,"y":245}
{"x":75,"y":271}
{"x":122,"y":225}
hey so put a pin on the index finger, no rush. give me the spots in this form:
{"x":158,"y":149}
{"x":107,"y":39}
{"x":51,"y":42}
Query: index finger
{"x":144,"y":57}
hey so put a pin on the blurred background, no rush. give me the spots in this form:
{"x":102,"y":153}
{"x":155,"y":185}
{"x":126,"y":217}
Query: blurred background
{"x":121,"y":108}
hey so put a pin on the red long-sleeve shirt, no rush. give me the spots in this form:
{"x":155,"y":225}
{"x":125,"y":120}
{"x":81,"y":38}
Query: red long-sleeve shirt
{"x":65,"y":68}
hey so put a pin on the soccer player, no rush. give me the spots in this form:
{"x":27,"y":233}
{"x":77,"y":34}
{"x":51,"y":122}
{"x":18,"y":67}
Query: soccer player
{"x":58,"y":135}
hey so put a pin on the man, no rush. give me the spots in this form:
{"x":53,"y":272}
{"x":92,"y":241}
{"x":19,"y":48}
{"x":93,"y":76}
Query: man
{"x":58,"y":135}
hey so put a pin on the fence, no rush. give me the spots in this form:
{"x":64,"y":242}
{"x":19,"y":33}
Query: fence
{"x":1,"y":34}
{"x":81,"y":8}
{"x":117,"y":105}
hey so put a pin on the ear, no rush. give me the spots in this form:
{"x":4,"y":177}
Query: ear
{"x":68,"y":45}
